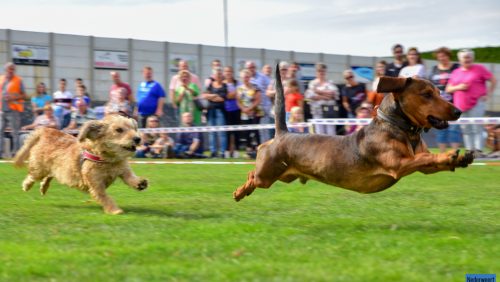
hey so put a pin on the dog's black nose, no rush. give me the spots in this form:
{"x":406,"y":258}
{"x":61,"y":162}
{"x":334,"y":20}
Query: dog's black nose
{"x":457,"y":112}
{"x":137,"y":140}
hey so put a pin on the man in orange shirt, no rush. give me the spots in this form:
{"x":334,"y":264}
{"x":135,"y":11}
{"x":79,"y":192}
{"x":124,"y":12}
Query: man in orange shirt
{"x":12,"y":97}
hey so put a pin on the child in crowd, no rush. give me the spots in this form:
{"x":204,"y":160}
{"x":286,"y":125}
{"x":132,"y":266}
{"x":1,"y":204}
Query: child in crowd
{"x":118,"y":102}
{"x":297,"y":116}
{"x":293,"y":98}
{"x":364,"y":111}
{"x":163,"y":147}
{"x":148,"y":139}
{"x":81,"y":91}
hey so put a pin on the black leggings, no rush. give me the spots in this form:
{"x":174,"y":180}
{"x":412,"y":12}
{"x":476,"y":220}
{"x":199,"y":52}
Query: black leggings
{"x":249,"y":133}
{"x":233,"y":118}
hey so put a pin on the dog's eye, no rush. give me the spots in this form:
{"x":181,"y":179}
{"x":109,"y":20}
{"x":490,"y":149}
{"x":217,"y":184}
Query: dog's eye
{"x":427,"y":95}
{"x":119,"y":130}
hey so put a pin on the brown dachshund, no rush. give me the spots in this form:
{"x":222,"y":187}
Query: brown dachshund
{"x":370,"y":160}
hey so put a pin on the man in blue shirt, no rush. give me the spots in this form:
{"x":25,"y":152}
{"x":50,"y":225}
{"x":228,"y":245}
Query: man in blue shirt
{"x":150,"y":97}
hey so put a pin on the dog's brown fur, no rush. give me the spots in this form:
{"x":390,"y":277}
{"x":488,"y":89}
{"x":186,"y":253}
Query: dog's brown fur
{"x":371,"y":160}
{"x":55,"y":154}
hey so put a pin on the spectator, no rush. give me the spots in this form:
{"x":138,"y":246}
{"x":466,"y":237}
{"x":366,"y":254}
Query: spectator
{"x":118,"y":83}
{"x":216,"y":93}
{"x":395,"y":67}
{"x":267,"y":70}
{"x":118,"y":102}
{"x":233,"y":113}
{"x":297,"y":116}
{"x":468,"y":85}
{"x":294,"y":73}
{"x":353,"y":94}
{"x":175,"y":82}
{"x":374,"y":97}
{"x":439,"y":76}
{"x":80,"y":94}
{"x":148,"y":139}
{"x":363,"y":111}
{"x":46,"y":119}
{"x":163,"y":147}
{"x":293,"y":98}
{"x":251,"y":110}
{"x":12,"y":96}
{"x":322,"y":96}
{"x":271,"y":88}
{"x":62,"y":104}
{"x":415,"y":68}
{"x":40,"y":99}
{"x":493,"y":140}
{"x":78,"y":83}
{"x":184,"y":96}
{"x":150,"y":97}
{"x":188,"y":144}
{"x":262,"y":82}
{"x":215,"y":64}
{"x":81,"y":115}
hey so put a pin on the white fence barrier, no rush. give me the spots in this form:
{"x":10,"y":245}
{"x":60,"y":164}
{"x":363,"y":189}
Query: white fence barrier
{"x":312,"y":122}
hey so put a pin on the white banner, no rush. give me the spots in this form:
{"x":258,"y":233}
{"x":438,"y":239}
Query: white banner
{"x":30,"y":55}
{"x":110,"y":59}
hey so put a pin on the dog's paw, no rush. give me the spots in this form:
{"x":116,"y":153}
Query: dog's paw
{"x":142,"y":185}
{"x":114,"y":211}
{"x":465,"y":160}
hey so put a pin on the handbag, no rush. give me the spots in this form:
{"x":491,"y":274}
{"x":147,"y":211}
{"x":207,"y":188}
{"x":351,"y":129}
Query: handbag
{"x":201,"y":103}
{"x":330,"y":111}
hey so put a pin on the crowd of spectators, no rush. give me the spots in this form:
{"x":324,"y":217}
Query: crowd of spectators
{"x":247,"y":98}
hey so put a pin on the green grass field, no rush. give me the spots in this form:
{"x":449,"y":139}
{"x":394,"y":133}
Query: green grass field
{"x":186,"y":227}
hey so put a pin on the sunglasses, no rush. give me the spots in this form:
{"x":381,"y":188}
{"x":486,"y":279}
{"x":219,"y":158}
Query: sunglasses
{"x":349,"y":77}
{"x":154,"y":120}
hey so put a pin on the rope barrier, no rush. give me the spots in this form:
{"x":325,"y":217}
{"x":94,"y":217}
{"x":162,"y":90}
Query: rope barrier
{"x":312,"y":122}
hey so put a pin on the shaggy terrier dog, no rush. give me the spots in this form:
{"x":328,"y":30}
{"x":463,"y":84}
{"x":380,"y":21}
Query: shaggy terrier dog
{"x":91,"y":162}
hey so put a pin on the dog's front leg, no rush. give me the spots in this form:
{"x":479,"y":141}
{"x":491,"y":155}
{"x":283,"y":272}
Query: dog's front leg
{"x":431,"y":163}
{"x":98,"y":192}
{"x":133,"y":180}
{"x":452,"y":159}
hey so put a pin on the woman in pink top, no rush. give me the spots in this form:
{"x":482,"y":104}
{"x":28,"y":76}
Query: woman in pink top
{"x":468,"y":85}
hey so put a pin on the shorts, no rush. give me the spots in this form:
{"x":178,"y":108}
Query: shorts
{"x":452,"y":134}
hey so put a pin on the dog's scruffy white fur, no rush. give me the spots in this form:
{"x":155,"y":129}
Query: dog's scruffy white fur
{"x":55,"y":154}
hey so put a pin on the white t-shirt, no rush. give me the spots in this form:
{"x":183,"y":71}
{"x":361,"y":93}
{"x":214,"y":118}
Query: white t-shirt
{"x":411,"y":71}
{"x":66,"y":98}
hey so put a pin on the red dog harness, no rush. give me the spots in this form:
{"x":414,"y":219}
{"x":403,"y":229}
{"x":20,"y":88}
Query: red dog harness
{"x":86,"y":155}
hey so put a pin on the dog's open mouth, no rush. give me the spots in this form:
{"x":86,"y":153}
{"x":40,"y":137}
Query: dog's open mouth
{"x":129,"y":148}
{"x":437,"y":123}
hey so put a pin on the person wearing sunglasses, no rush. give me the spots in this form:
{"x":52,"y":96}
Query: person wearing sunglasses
{"x":395,"y":67}
{"x":353,"y":93}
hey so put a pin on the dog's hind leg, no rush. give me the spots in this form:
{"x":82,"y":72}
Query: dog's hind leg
{"x":247,"y":188}
{"x":262,"y":177}
{"x":28,"y":182}
{"x":44,"y":185}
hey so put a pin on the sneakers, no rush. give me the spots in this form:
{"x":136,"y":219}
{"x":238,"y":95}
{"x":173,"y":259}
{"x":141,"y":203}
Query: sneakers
{"x":478,"y":154}
{"x":236,"y":154}
{"x":227,"y":155}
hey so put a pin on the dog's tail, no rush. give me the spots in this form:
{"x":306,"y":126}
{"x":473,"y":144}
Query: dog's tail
{"x":23,"y":153}
{"x":279,"y":106}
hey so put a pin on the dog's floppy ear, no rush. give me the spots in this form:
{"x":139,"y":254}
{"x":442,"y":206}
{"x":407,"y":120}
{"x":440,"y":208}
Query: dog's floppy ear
{"x":91,"y":130}
{"x":392,"y":84}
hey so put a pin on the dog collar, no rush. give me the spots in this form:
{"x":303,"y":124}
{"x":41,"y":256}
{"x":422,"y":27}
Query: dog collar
{"x":402,"y":124}
{"x":86,"y":155}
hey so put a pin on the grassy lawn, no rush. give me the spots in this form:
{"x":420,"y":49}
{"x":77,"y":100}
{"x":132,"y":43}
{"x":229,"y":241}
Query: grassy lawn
{"x":186,"y":227}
